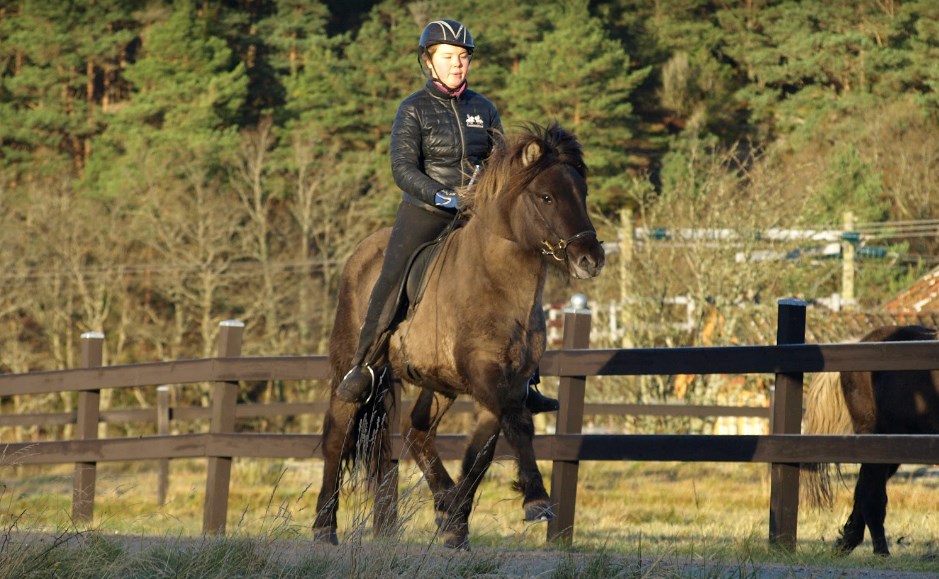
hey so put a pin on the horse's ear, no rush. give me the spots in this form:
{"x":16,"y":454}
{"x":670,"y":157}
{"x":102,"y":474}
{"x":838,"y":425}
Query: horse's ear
{"x":531,"y":153}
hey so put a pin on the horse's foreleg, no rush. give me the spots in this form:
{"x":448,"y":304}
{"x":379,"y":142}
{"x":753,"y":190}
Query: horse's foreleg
{"x":520,"y":432}
{"x":420,"y":430}
{"x":336,"y":444}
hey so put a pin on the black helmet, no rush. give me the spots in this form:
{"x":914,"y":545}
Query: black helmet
{"x":446,"y":32}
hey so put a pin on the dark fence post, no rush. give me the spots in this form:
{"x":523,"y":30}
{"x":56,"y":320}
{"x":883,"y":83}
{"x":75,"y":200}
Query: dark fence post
{"x":571,"y":391}
{"x":163,"y":429}
{"x":86,"y":428}
{"x":786,"y":419}
{"x":224,"y":399}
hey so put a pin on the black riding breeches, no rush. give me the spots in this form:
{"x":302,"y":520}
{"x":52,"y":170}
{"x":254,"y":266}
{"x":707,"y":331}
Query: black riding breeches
{"x":415,"y":224}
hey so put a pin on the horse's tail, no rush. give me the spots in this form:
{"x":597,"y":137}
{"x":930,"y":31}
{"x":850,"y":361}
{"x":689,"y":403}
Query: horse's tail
{"x":825,"y":413}
{"x":368,"y":430}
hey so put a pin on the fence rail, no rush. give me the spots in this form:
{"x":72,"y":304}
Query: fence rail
{"x":784,"y":449}
{"x":284,"y":409}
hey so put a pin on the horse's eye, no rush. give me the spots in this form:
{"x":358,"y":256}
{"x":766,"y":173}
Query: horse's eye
{"x":545,"y":198}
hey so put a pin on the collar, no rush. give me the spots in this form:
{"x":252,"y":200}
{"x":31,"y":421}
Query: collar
{"x":439,"y":90}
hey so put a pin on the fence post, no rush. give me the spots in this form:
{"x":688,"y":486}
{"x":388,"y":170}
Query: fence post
{"x":224,"y":399}
{"x":86,"y":428}
{"x":786,"y":419}
{"x":163,"y":429}
{"x":571,"y":391}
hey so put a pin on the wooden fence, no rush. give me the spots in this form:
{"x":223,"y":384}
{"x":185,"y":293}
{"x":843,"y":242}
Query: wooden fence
{"x":784,"y":449}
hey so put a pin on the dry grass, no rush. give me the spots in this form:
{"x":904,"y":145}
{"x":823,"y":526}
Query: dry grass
{"x":629,"y":516}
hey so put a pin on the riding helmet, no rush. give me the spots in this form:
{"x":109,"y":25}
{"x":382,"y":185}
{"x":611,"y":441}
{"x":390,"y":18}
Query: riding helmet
{"x":446,"y":32}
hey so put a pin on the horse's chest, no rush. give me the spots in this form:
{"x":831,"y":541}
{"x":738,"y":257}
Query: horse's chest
{"x":436,"y":349}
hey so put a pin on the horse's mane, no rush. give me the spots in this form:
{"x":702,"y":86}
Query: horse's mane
{"x":505,"y":172}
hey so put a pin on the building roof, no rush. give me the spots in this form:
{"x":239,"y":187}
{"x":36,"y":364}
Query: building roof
{"x":922,"y":296}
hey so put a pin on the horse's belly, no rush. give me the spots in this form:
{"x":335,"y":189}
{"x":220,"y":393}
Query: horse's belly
{"x":425,"y":359}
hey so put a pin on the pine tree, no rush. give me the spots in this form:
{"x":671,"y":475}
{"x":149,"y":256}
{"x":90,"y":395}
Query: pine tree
{"x":586,"y":89}
{"x":188,"y":90}
{"x":59,"y":79}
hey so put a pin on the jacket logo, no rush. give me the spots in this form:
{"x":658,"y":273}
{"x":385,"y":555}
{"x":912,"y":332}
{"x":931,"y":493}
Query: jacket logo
{"x":474,"y":121}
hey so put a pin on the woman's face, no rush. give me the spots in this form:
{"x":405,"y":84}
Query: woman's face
{"x":450,"y":64}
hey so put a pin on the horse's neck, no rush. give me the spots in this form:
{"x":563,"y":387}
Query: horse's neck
{"x":503,"y":262}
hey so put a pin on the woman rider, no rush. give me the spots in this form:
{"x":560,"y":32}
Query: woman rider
{"x":440,"y":136}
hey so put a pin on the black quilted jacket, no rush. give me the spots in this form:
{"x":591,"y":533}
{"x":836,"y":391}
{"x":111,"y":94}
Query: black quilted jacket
{"x":437,"y":140}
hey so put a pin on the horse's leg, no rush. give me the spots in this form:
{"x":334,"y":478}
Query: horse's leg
{"x":870,"y":509}
{"x":420,"y":430}
{"x":476,"y":461}
{"x":516,"y":423}
{"x":853,"y":531}
{"x":520,"y":432}
{"x":874,"y":507}
{"x":336,"y":444}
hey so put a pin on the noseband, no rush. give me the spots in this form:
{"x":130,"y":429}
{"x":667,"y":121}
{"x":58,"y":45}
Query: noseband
{"x":559,"y":251}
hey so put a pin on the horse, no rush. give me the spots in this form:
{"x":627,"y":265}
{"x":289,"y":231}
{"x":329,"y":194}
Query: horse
{"x":475,"y":327}
{"x":887,"y":402}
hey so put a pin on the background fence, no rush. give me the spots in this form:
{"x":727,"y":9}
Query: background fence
{"x":783,"y":449}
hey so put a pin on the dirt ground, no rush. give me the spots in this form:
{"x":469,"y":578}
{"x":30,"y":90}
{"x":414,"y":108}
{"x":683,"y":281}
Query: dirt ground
{"x":373,"y":560}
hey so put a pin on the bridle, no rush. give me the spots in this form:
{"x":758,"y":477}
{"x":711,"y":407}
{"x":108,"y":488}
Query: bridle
{"x":559,"y":250}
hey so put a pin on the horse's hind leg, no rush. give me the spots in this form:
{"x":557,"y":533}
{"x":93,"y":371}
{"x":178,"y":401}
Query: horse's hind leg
{"x":870,"y":509}
{"x":852,"y":533}
{"x":420,"y":429}
{"x":458,"y":504}
{"x":336,"y":444}
{"x":874,"y":507}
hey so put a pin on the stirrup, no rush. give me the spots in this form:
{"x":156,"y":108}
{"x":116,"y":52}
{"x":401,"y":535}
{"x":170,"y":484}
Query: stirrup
{"x":357,"y":384}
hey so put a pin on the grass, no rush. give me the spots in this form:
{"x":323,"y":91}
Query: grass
{"x":633,"y":520}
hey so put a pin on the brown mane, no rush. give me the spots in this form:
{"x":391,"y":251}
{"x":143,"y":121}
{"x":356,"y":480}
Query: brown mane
{"x":504,"y":172}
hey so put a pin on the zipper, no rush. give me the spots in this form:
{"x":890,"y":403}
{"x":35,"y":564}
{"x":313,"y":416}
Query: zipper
{"x":459,"y":127}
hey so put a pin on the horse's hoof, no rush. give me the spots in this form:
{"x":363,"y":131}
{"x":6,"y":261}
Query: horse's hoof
{"x":456,"y":541}
{"x":325,"y":536}
{"x":538,"y":512}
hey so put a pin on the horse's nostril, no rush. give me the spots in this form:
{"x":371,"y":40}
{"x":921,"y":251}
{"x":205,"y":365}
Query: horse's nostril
{"x":588,"y":262}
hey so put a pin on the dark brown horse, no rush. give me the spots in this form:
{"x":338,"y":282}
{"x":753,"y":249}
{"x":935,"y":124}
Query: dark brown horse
{"x":889,"y":402}
{"x":477,"y":328}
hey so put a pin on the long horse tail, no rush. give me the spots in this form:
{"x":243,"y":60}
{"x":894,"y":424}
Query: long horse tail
{"x":825,"y":413}
{"x":368,"y":430}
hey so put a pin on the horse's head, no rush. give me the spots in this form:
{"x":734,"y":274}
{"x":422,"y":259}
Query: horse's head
{"x":536,"y":183}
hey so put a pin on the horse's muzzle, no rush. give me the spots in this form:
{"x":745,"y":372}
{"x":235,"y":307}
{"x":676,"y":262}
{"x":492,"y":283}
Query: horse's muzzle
{"x":585,"y":258}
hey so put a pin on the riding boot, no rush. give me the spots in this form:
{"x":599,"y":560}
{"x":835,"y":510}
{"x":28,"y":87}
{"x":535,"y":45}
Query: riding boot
{"x":359,"y":381}
{"x":537,"y":402}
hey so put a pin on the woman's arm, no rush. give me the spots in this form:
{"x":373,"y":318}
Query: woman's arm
{"x":406,"y":156}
